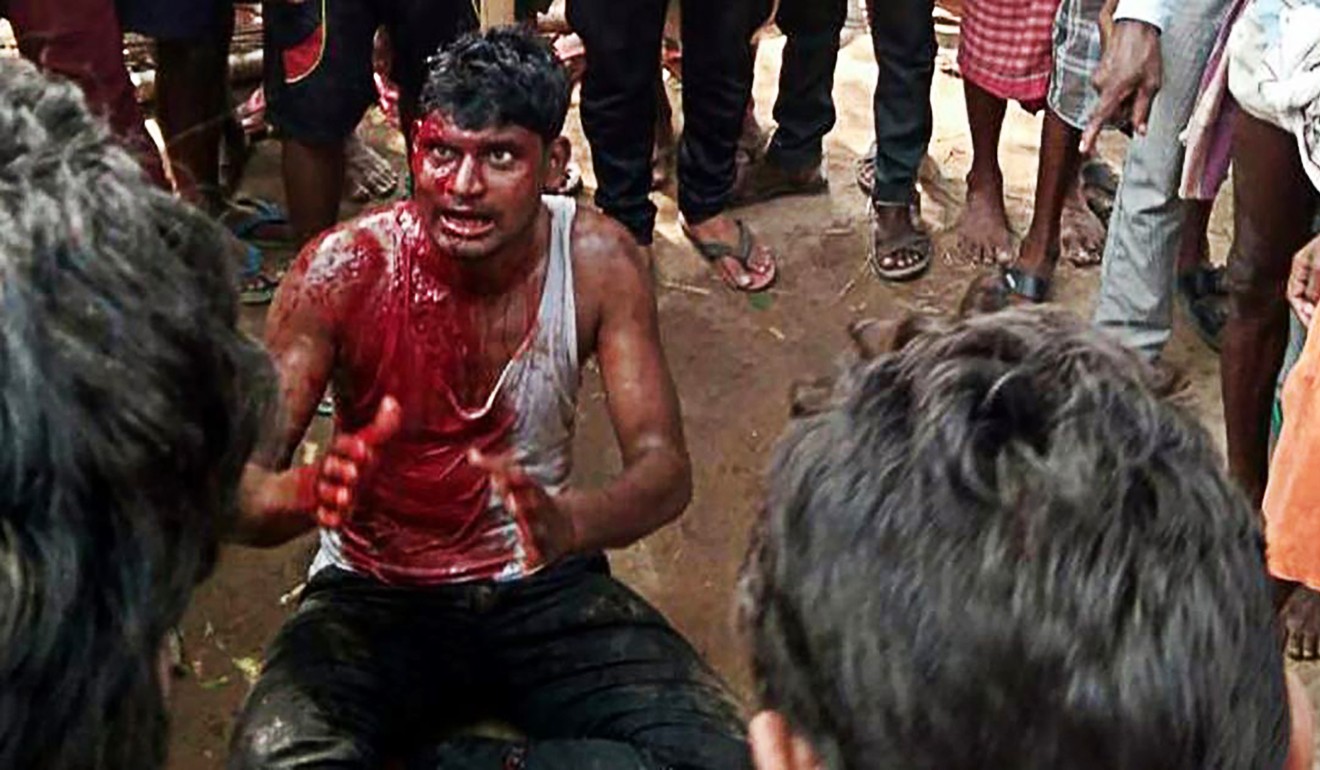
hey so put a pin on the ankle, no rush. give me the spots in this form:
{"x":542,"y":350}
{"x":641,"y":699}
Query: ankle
{"x":1036,"y":249}
{"x":985,"y":180}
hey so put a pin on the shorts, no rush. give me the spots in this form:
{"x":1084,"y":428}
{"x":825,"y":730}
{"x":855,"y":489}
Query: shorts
{"x":319,"y":58}
{"x":176,"y":20}
{"x":1076,"y":55}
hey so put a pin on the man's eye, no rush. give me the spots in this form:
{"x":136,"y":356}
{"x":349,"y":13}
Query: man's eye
{"x":500,"y":157}
{"x":442,"y":153}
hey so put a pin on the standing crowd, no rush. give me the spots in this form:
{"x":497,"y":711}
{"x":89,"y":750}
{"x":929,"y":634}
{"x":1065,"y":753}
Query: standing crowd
{"x":994,"y":540}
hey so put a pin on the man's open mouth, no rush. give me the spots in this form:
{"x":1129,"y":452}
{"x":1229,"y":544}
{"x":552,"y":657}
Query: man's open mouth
{"x":466,"y":224}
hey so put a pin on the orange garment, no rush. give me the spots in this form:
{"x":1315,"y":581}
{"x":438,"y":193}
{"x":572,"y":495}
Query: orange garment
{"x":1292,"y":499}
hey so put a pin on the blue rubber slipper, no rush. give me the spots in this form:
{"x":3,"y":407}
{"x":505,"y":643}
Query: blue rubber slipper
{"x":257,"y":214}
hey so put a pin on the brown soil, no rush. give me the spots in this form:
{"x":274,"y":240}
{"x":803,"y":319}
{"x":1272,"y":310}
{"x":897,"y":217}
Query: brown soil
{"x":733,"y":358}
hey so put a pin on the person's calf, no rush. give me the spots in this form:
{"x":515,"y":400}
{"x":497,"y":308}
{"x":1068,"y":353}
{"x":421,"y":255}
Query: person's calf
{"x":314,"y":180}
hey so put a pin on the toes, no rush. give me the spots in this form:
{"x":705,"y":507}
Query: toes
{"x":762,"y":260}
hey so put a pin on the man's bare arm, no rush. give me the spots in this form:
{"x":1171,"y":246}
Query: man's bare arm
{"x":656,"y":482}
{"x":277,"y":504}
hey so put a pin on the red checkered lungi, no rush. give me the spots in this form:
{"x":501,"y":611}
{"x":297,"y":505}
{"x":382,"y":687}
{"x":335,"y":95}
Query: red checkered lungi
{"x":1007,"y":46}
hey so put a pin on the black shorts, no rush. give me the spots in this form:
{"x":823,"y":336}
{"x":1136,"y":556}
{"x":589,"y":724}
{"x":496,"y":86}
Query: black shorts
{"x":176,"y":20}
{"x":318,"y":58}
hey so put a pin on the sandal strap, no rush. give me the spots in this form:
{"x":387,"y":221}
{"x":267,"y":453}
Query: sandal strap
{"x":713,"y":251}
{"x":1024,"y":284}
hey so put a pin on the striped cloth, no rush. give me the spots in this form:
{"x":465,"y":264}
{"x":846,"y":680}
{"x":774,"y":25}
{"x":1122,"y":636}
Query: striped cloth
{"x":1076,"y":55}
{"x":1006,"y":47}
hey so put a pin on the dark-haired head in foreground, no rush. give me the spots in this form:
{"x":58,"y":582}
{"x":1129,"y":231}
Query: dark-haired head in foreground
{"x":128,"y":405}
{"x":488,"y":140}
{"x":999,"y":549}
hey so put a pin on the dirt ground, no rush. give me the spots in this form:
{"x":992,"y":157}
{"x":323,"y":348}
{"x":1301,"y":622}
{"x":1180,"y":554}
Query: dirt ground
{"x":733,"y":358}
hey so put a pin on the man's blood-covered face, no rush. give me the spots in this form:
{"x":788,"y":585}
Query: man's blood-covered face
{"x":477,"y":190}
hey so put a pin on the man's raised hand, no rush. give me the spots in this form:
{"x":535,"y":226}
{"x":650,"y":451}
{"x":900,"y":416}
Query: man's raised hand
{"x":545,"y":528}
{"x":1130,"y":73}
{"x":351,"y":458}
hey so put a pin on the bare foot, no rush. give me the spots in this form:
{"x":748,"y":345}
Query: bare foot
{"x":370,"y":176}
{"x":984,"y":237}
{"x":1081,"y":233}
{"x":744,"y":263}
{"x":1301,"y":618}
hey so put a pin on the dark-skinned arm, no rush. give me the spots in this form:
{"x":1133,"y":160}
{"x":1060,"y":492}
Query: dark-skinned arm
{"x":277,"y":503}
{"x":655,"y":485}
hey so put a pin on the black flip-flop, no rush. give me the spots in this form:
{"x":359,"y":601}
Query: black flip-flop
{"x":992,"y":292}
{"x":714,"y":251}
{"x":1022,"y":284}
{"x":1201,"y":294}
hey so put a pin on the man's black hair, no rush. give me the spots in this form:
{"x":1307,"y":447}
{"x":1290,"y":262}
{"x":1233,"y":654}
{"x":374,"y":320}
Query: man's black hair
{"x":504,"y":76}
{"x":1001,"y":550}
{"x":129,"y":403}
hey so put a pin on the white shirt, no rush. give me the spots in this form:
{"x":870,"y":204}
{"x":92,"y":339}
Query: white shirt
{"x":1154,"y":12}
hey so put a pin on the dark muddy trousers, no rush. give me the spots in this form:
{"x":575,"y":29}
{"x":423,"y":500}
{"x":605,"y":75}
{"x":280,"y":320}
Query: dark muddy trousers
{"x":365,"y":674}
{"x":903,"y":36}
{"x":622,"y":40}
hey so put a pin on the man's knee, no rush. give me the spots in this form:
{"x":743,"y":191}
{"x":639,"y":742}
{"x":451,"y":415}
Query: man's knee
{"x":1253,"y":283}
{"x":279,"y":731}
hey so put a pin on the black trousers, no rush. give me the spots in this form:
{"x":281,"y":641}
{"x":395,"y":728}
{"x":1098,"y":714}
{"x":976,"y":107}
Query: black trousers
{"x":903,"y":36}
{"x":365,"y":673}
{"x":622,"y":40}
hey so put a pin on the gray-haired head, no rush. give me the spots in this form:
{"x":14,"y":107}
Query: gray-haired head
{"x":128,"y":405}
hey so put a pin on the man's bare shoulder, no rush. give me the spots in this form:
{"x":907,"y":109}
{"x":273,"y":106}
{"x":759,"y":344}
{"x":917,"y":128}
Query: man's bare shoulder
{"x":605,"y":254}
{"x":352,"y":251}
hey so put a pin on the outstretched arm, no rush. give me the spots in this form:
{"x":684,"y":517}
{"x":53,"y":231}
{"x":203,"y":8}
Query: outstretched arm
{"x":279,"y":504}
{"x":656,"y":482}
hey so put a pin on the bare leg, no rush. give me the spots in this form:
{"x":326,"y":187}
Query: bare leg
{"x":314,"y":179}
{"x":1193,"y":248}
{"x":1274,"y":204}
{"x":1059,"y":163}
{"x":193,"y":103}
{"x":983,"y":232}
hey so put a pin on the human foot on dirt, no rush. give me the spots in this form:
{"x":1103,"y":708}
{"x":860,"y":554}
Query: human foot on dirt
{"x":983,"y":234}
{"x":766,"y":179}
{"x":743,"y":262}
{"x":370,"y":175}
{"x":1301,"y":619}
{"x":1081,"y":233}
{"x":900,"y":248}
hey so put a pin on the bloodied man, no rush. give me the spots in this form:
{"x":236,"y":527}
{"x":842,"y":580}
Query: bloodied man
{"x":459,"y":576}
